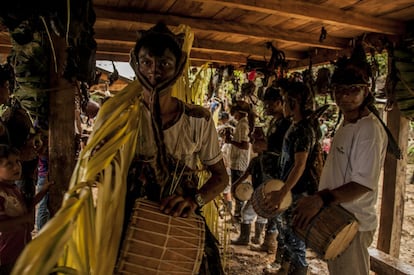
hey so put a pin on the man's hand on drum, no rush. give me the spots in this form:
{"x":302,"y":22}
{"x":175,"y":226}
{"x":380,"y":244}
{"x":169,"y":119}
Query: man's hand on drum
{"x":305,"y":210}
{"x":178,"y":206}
{"x":233,"y":187}
{"x":274,"y":199}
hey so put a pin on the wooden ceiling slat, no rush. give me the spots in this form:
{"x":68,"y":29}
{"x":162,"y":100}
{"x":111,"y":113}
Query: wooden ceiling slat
{"x":167,"y":5}
{"x":185,"y":8}
{"x":381,"y":8}
{"x":305,"y":10}
{"x":225,"y":27}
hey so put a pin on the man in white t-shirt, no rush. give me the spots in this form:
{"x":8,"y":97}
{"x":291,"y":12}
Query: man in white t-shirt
{"x":352,"y":169}
{"x":176,"y":140}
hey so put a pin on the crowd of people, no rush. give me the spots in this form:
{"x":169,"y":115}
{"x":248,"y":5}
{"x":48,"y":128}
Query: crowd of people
{"x":21,"y":152}
{"x":178,"y":136}
{"x":24,"y":183}
{"x":349,"y":177}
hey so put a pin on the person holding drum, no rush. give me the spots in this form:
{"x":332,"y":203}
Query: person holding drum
{"x":260,"y":169}
{"x":273,"y":106}
{"x":299,"y":141}
{"x":176,"y":142}
{"x":352,"y":168}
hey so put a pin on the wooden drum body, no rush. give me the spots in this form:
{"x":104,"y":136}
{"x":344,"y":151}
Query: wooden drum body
{"x":244,"y":191}
{"x":330,"y":232}
{"x":156,"y":243}
{"x":259,"y":195}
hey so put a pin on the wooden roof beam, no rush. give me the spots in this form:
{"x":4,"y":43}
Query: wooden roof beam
{"x":103,"y":37}
{"x":5,"y":49}
{"x":119,"y":54}
{"x":241,"y":48}
{"x":199,"y":63}
{"x":323,"y":13}
{"x":318,"y":57}
{"x":112,"y":56}
{"x":220,"y":27}
{"x":218,"y":57}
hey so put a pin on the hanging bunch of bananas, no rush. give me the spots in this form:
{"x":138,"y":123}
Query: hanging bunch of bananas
{"x":199,"y":84}
{"x":83,"y":238}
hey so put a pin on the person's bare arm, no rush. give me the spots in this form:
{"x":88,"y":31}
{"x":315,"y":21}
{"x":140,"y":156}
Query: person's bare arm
{"x":308,"y":207}
{"x":241,"y":145}
{"x":177,"y":205}
{"x":274,"y":199}
{"x":296,"y":172}
{"x":43,"y":191}
{"x":216,"y":183}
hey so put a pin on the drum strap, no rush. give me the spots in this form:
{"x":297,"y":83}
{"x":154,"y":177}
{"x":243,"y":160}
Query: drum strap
{"x":348,"y":163}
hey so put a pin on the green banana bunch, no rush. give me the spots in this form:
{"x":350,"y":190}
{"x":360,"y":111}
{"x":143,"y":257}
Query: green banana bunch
{"x":199,"y":84}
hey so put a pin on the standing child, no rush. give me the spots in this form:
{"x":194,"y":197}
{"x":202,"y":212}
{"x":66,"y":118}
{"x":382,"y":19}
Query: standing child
{"x":16,"y":220}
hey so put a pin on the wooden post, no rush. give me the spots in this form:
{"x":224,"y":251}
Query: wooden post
{"x":61,"y":127}
{"x":393,"y":190}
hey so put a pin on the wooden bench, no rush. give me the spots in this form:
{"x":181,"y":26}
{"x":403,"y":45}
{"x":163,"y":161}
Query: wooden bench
{"x":385,"y":264}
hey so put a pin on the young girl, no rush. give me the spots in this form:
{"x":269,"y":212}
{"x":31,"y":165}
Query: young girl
{"x":16,"y":220}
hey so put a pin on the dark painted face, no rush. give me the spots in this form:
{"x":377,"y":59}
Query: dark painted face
{"x":350,"y":97}
{"x":156,"y":69}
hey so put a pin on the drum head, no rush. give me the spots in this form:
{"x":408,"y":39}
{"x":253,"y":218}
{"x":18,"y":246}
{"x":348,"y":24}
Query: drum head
{"x":244,"y":191}
{"x":343,"y":238}
{"x":275,"y":185}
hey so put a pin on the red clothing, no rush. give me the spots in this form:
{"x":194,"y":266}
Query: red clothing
{"x":12,"y":243}
{"x":326,"y":145}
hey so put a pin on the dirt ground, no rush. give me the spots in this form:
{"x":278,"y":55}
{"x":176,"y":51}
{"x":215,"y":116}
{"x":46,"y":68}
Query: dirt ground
{"x":241,"y":260}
